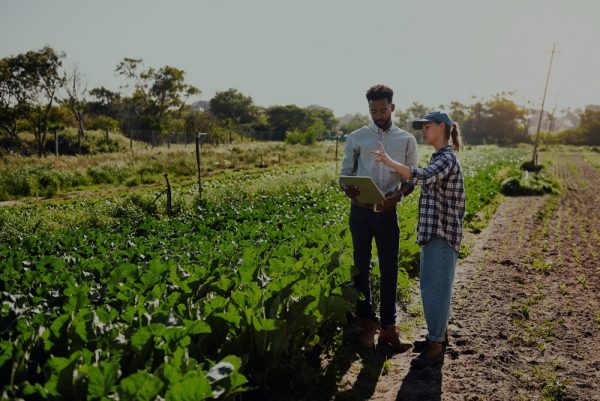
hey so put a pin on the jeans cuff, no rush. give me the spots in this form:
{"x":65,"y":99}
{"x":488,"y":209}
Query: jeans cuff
{"x":436,"y":339}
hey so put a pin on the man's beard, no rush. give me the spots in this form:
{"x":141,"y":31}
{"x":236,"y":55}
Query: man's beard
{"x":383,"y":124}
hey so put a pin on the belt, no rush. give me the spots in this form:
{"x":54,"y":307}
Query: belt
{"x":375,"y":207}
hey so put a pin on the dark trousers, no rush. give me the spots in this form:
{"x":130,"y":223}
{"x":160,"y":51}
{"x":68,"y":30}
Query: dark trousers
{"x":365,"y":225}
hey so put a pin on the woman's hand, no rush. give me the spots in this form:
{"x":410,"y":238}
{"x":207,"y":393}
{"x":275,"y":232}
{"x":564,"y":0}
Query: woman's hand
{"x":381,"y":156}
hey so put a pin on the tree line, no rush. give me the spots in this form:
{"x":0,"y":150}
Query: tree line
{"x":39,"y":95}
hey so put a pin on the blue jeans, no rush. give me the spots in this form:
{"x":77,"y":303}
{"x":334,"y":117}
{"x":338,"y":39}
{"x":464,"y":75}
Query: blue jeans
{"x":438,"y":264}
{"x":365,"y":225}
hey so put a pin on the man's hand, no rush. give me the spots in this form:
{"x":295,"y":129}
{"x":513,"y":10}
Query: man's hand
{"x":351,"y":191}
{"x":390,"y":201}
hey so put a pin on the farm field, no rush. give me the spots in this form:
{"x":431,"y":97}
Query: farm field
{"x":247,"y":290}
{"x":32,"y":178}
{"x":526,"y":314}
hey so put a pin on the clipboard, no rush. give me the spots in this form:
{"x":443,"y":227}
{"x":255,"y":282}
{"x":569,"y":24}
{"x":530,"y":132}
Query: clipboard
{"x":369,"y":191}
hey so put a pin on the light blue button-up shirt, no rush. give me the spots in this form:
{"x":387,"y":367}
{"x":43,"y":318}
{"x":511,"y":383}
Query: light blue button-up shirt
{"x":359,"y":159}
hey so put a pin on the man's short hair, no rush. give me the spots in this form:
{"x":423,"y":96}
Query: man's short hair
{"x":378,"y":92}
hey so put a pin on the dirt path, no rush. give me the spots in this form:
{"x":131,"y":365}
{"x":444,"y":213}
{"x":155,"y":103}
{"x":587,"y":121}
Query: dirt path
{"x":526,"y":309}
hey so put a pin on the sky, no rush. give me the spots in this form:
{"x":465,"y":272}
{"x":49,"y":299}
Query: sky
{"x":328,"y":52}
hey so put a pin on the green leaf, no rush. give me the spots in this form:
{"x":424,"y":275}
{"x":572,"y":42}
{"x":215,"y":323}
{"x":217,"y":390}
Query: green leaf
{"x":194,"y":388}
{"x":140,"y":386}
{"x":58,"y":324}
{"x":6,"y":352}
{"x":101,"y":378}
{"x":140,"y":338}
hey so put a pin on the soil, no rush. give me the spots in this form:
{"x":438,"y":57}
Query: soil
{"x":525,"y":322}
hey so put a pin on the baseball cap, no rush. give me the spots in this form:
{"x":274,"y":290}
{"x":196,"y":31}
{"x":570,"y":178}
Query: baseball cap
{"x":435,"y":116}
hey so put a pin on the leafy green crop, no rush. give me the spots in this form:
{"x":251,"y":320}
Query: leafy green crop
{"x":230,"y":293}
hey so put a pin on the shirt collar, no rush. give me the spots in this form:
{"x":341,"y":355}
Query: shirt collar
{"x":441,"y":150}
{"x":373,"y":127}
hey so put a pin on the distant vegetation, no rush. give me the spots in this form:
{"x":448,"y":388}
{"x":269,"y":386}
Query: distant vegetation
{"x":38,"y":97}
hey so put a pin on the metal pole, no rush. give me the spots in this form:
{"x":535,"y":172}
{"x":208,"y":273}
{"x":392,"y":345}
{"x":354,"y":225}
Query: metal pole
{"x":56,"y":142}
{"x":537,"y":133}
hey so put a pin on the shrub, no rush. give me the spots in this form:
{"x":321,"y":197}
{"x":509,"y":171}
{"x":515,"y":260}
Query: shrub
{"x":529,"y":166}
{"x":525,"y":186}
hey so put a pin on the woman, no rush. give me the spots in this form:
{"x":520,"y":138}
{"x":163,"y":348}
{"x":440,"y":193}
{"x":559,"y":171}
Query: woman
{"x":439,"y":231}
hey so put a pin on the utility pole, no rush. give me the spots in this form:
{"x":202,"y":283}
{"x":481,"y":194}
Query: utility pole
{"x":537,"y":133}
{"x":552,"y":116}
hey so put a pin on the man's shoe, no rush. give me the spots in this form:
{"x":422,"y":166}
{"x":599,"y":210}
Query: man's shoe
{"x":366,"y":337}
{"x":389,"y":335}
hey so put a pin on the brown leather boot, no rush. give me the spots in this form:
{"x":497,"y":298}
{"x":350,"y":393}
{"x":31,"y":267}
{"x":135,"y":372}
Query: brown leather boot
{"x":366,"y":337}
{"x":389,"y":335}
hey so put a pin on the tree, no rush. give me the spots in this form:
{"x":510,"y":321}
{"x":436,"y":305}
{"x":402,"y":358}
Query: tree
{"x":156,"y":93}
{"x":326,"y":116}
{"x":405,"y":118}
{"x":459,"y":112}
{"x":29,"y":84}
{"x":505,"y":122}
{"x":106,"y":103}
{"x":13,"y":98}
{"x":75,"y":93}
{"x":352,"y":122}
{"x":589,"y":125}
{"x":234,"y":106}
{"x":286,"y":118}
{"x":499,"y":120}
{"x":41,"y":79}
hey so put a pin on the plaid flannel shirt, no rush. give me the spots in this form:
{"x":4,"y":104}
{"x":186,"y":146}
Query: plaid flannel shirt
{"x":442,"y":201}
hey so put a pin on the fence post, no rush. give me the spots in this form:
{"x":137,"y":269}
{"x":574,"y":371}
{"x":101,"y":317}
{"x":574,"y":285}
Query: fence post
{"x":107,"y":138}
{"x":56,"y":142}
{"x":169,"y":203}
{"x":199,"y":136}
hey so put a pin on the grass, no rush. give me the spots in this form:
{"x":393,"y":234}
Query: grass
{"x":23,"y":177}
{"x":552,"y":388}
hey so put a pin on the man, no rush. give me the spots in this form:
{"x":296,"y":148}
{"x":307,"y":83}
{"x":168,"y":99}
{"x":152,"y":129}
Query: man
{"x":379,"y":221}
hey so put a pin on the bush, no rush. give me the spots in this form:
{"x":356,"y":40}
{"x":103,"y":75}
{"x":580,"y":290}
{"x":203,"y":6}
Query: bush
{"x":529,"y":166}
{"x":526,"y":186}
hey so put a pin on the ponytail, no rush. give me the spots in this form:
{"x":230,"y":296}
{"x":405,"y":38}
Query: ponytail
{"x":453,"y":133}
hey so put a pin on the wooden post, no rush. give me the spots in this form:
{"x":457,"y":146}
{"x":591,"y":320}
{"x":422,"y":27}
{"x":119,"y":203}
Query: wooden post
{"x":56,"y":142}
{"x":107,"y":138}
{"x":198,"y":163}
{"x":169,"y":202}
{"x":537,"y":133}
{"x":130,"y":141}
{"x":337,"y":136}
